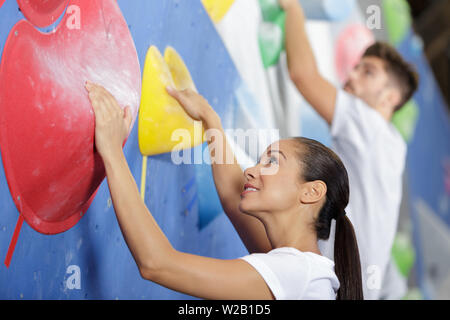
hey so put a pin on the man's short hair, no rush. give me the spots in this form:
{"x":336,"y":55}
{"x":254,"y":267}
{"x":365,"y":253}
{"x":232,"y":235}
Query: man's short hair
{"x":403,"y":73}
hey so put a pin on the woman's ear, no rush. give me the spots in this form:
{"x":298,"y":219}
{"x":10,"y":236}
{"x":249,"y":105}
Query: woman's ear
{"x":313,"y":191}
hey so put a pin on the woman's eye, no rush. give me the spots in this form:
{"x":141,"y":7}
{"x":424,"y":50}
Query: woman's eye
{"x":268,"y":161}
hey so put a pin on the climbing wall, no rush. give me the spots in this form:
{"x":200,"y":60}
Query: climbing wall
{"x":428,"y":172}
{"x":90,"y":260}
{"x":235,"y":56}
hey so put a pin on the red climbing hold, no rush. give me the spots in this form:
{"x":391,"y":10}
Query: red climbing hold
{"x":46,"y":119}
{"x":42,"y":13}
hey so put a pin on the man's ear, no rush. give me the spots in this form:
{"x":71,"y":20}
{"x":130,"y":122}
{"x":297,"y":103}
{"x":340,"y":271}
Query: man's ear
{"x":313,"y":191}
{"x":392,"y":96}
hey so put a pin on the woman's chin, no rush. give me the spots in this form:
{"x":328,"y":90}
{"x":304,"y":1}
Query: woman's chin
{"x":242,"y":206}
{"x":246,"y":207}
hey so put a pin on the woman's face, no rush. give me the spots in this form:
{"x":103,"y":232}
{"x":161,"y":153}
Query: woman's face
{"x":273,"y":185}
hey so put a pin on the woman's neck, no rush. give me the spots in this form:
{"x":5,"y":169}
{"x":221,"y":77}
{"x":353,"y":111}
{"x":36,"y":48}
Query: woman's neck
{"x":287,"y":230}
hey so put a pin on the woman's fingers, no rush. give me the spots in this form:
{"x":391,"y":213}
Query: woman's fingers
{"x":111,"y":101}
{"x":182,"y":96}
{"x":104,"y":98}
{"x":193,"y":103}
{"x":128,"y":118}
{"x":105,"y":105}
{"x":174,"y":93}
{"x":100,"y":113}
{"x":112,"y":123}
{"x":188,"y":99}
{"x":88,"y":85}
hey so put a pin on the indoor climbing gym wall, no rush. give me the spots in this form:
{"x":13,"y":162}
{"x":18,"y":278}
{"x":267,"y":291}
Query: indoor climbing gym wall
{"x":59,"y":237}
{"x":55,"y":202}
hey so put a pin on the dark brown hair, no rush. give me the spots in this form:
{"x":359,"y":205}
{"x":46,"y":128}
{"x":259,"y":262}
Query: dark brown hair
{"x":320,"y":163}
{"x":403,"y":73}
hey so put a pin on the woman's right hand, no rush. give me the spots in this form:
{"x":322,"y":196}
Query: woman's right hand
{"x":194,"y":104}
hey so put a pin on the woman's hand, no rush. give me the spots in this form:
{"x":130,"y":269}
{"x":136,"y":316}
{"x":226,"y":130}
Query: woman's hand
{"x":112,"y":124}
{"x":194,"y":104}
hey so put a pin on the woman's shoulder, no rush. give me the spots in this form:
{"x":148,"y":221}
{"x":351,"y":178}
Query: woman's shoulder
{"x":311,"y":265}
{"x":316,"y":266}
{"x":306,"y":255}
{"x":295,"y":271}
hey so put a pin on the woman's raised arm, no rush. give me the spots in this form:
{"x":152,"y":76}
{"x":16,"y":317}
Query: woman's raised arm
{"x":228,"y":175}
{"x":155,"y":257}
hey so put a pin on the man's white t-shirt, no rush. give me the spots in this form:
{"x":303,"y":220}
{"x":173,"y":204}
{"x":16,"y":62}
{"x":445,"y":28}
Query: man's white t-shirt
{"x":294,"y":275}
{"x":373,"y":153}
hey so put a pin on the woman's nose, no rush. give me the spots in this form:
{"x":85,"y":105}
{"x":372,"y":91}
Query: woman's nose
{"x":250,"y":173}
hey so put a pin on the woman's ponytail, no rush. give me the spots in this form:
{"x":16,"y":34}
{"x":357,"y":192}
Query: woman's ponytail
{"x":321,"y":163}
{"x":347,"y":262}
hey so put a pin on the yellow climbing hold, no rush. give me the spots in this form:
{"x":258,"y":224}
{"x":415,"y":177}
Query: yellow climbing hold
{"x":217,"y":9}
{"x":180,"y":73}
{"x":161,"y":116}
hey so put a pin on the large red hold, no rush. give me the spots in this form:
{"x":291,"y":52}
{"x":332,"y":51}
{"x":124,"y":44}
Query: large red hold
{"x":46,"y":119}
{"x":42,"y":13}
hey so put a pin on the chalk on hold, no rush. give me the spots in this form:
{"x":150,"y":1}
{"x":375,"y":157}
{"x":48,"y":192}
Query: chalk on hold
{"x":160,"y":115}
{"x":217,"y":9}
{"x":47,"y":124}
{"x":180,"y":73}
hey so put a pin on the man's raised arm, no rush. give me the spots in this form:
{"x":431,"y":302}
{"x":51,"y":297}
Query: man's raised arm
{"x":303,"y":70}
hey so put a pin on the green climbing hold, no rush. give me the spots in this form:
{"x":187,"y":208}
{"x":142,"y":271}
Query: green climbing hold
{"x":397,"y":16}
{"x":271,"y":32}
{"x":405,"y":120}
{"x":270,"y":9}
{"x":403,"y":254}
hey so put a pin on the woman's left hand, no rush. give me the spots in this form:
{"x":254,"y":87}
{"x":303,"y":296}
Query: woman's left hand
{"x":112,"y":124}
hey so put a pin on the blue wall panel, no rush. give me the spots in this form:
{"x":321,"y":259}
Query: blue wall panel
{"x":428,"y":153}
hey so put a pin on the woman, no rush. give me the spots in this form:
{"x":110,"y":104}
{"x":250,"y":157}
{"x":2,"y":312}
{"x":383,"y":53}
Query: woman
{"x":286,"y":212}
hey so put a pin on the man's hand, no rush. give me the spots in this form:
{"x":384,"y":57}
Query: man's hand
{"x":303,"y":70}
{"x":286,"y":4}
{"x":194,"y":104}
{"x":112,"y":124}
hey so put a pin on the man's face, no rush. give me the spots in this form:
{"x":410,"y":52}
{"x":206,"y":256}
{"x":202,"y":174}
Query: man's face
{"x":368,"y":81}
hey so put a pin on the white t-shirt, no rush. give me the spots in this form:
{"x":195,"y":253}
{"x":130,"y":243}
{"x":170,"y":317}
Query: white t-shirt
{"x":373,"y":153}
{"x":294,"y":275}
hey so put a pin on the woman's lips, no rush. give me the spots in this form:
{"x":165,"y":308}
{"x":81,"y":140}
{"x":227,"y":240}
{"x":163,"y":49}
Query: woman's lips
{"x":248,"y":188}
{"x":247,"y":191}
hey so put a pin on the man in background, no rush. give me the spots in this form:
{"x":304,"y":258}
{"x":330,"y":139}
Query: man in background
{"x":371,"y":148}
